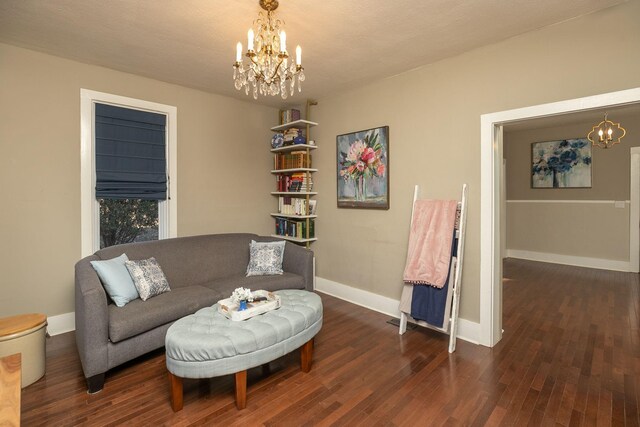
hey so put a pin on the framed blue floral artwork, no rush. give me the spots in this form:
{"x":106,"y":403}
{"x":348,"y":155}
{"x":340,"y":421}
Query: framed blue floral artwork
{"x":564,"y":163}
{"x":363,"y":169}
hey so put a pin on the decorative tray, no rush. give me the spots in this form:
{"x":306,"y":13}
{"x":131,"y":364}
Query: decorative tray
{"x":229,"y":308}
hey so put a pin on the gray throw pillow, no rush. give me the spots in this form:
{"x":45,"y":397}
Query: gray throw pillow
{"x":265,"y":258}
{"x":116,"y":279}
{"x":148,"y":277}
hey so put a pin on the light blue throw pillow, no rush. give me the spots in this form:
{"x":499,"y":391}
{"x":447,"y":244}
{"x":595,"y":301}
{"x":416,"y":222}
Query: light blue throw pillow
{"x":116,"y":279}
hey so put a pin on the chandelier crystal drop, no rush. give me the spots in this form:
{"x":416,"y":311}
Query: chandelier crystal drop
{"x":268,"y":70}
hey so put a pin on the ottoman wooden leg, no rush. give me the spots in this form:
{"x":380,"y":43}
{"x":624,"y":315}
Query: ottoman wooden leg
{"x":241,"y":389}
{"x":306,"y":355}
{"x":176,"y":392}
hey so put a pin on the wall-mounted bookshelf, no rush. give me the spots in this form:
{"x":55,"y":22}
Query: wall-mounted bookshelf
{"x":295,"y":218}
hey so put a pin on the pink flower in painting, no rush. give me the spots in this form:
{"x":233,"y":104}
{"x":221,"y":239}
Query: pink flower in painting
{"x":360,"y":166}
{"x":368,"y":155}
{"x":355,"y":151}
{"x":381,"y":169}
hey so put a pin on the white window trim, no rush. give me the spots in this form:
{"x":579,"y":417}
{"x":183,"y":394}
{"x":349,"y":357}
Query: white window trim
{"x":167,"y":209}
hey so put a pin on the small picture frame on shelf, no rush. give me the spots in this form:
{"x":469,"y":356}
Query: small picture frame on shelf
{"x":277,"y":140}
{"x":312,"y":207}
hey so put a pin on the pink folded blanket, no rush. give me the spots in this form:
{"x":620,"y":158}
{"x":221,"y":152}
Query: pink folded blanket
{"x":430,"y":242}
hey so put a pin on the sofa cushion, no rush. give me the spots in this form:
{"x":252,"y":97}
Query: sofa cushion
{"x":191,"y":260}
{"x":141,"y":316}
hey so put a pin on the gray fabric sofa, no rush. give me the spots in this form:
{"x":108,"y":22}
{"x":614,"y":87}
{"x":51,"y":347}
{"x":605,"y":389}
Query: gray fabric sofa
{"x":200,"y":270}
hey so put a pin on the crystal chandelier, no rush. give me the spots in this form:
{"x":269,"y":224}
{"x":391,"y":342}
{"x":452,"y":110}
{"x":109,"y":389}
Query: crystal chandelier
{"x":268,"y":71}
{"x":606,"y":133}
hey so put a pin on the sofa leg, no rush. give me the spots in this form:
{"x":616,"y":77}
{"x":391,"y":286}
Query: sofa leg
{"x":95,"y":383}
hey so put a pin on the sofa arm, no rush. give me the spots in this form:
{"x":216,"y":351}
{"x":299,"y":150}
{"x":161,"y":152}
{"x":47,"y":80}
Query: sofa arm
{"x":299,"y":260}
{"x":92,"y":319}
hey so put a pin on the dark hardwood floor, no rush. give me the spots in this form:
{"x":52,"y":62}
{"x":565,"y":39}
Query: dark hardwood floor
{"x":570,"y":356}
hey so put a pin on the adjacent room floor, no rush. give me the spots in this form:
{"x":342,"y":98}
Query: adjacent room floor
{"x":570,"y":355}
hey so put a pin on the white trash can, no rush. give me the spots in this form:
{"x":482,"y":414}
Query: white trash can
{"x":25,"y":334}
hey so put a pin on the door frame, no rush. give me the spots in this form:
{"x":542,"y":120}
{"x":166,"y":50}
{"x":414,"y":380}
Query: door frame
{"x":490,"y":195}
{"x":634,"y":211}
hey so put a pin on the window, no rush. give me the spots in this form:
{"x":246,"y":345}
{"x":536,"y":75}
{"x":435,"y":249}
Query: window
{"x":127,"y":160}
{"x":131,"y":172}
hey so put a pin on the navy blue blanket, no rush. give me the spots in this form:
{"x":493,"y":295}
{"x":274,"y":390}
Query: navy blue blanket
{"x":428,"y":303}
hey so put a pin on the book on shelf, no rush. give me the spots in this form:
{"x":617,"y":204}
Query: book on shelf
{"x":293,"y":160}
{"x":295,"y":182}
{"x":287,"y":116}
{"x":292,"y":206}
{"x":295,"y":228}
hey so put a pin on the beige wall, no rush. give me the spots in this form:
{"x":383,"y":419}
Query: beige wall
{"x":222,"y":162}
{"x":434,"y":119}
{"x":575,"y":229}
{"x":589,"y":230}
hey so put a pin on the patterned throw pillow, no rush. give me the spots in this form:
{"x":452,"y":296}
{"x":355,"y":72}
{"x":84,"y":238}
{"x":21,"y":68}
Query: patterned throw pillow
{"x":265,"y":258}
{"x":147,"y":277}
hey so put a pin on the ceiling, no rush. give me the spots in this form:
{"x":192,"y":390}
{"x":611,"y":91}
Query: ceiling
{"x":345,"y":43}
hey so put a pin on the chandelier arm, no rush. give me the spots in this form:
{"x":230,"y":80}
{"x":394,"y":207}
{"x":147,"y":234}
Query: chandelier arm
{"x":275,"y":72}
{"x":260,"y":74}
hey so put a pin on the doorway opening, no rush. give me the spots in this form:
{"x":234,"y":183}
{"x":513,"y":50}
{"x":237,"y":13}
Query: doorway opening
{"x":492,"y":198}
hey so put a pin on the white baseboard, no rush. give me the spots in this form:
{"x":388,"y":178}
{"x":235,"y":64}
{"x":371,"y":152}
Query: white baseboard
{"x":61,"y":323}
{"x":467,"y":330}
{"x":578,"y":261}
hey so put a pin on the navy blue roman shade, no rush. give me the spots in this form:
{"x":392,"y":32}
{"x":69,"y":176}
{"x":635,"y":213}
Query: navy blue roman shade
{"x":131,"y":158}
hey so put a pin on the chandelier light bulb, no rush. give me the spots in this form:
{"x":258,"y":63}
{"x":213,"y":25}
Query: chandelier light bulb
{"x":283,"y":42}
{"x":250,"y":39}
{"x":298,"y":55}
{"x":239,"y":52}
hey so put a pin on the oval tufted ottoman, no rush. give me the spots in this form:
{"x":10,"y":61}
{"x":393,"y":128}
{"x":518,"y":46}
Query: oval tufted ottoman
{"x":206,"y":344}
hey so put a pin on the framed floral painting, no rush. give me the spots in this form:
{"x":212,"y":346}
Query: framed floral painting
{"x":363,"y":169}
{"x":564,"y":163}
